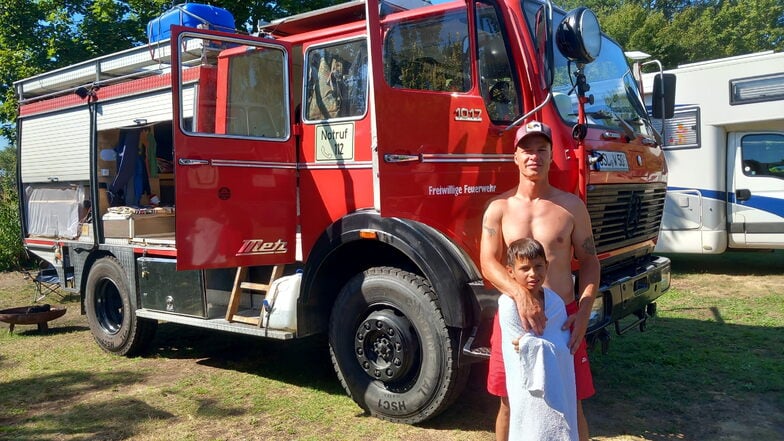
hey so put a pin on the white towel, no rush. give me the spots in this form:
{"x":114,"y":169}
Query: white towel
{"x":540,"y":378}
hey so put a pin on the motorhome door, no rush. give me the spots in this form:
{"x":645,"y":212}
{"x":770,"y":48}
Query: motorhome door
{"x":756,"y":189}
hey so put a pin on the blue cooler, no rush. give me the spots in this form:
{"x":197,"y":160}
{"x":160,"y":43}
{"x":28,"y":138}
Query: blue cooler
{"x":191,"y":15}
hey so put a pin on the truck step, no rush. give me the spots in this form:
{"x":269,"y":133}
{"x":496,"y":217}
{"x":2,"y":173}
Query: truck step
{"x":479,"y":352}
{"x":240,"y":285}
{"x":218,"y":324}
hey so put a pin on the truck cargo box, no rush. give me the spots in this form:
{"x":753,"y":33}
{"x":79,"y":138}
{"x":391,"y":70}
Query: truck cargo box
{"x":191,"y":15}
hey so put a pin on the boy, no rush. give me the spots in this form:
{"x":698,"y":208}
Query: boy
{"x":540,"y":377}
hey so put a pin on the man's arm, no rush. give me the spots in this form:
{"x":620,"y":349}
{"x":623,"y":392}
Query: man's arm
{"x":585,"y":253}
{"x":490,"y":256}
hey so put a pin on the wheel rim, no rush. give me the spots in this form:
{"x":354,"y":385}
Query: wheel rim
{"x":108,"y":306}
{"x":385,"y":346}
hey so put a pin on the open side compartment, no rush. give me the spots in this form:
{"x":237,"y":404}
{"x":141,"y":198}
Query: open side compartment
{"x":136,"y":182}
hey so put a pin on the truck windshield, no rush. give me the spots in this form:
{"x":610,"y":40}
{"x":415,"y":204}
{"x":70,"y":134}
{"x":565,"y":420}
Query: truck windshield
{"x":617,"y":103}
{"x":616,"y":97}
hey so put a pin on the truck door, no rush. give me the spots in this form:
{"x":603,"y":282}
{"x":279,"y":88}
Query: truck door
{"x":438,"y":116}
{"x":756,"y":189}
{"x":234,"y":150}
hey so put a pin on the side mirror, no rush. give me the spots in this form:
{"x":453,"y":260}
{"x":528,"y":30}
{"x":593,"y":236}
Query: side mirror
{"x":663,"y":99}
{"x":544,"y":49}
{"x":579,"y":36}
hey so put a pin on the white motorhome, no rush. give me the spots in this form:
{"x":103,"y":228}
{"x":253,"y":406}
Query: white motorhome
{"x":725,"y":153}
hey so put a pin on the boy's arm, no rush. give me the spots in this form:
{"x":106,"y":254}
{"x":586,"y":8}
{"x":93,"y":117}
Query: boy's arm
{"x":588,"y":275}
{"x":490,"y":255}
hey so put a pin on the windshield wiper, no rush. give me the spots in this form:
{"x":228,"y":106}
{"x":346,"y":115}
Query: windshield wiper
{"x":599,"y":114}
{"x":627,"y":128}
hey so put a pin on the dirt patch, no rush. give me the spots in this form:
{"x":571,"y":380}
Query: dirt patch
{"x":14,"y":280}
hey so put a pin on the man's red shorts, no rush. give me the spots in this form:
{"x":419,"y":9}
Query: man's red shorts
{"x":496,"y":376}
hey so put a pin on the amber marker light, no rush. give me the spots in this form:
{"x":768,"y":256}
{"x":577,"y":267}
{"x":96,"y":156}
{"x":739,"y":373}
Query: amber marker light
{"x":368,"y":234}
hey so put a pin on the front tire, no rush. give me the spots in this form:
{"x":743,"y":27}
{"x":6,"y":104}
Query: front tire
{"x":391,"y":348}
{"x":110,"y":314}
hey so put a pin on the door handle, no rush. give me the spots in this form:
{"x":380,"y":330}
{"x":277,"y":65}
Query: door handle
{"x":186,"y":161}
{"x":401,"y":158}
{"x":742,"y":195}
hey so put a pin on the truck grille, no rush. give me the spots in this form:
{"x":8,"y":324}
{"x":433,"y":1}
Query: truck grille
{"x":625,"y":214}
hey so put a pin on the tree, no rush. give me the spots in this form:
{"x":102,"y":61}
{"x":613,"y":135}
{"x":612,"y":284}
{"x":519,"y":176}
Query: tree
{"x":686,"y":31}
{"x":11,"y":250}
{"x":41,"y":35}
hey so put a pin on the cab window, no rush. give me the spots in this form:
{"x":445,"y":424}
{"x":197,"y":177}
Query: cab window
{"x":495,"y":72}
{"x":238,"y":89}
{"x":336,"y":84}
{"x":429,"y":54}
{"x":763,"y":155}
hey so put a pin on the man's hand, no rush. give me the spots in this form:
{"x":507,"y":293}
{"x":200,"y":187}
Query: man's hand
{"x":531,"y":313}
{"x":578,"y":325}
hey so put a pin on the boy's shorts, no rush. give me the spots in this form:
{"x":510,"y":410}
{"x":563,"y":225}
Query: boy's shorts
{"x":496,"y":376}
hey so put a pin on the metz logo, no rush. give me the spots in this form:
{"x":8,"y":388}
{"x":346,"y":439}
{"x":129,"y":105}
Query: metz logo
{"x":259,"y":246}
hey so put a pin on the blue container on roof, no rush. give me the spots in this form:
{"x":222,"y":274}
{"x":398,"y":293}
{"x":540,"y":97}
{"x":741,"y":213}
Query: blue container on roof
{"x":192,"y":15}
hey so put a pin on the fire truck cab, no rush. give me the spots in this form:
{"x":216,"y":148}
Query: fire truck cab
{"x":330,"y":175}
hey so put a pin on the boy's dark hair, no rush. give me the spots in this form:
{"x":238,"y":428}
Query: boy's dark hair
{"x":525,"y":248}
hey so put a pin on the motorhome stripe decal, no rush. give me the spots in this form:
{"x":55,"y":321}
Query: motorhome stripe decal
{"x":763,"y":203}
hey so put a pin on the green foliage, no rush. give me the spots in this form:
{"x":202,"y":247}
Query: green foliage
{"x":687,"y":31}
{"x":41,"y":35}
{"x":11,"y":251}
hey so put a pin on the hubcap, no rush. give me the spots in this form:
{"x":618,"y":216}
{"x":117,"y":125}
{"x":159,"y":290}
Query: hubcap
{"x":385,"y":346}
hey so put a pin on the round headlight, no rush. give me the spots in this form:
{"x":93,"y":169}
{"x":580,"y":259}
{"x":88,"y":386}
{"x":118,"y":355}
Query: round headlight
{"x":579,"y":36}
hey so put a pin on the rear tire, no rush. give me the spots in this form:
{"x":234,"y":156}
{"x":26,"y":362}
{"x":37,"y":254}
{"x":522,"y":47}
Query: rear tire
{"x":110,"y":314}
{"x":391,"y":348}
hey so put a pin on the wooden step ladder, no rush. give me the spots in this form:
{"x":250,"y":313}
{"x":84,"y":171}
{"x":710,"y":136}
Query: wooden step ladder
{"x":240,"y":284}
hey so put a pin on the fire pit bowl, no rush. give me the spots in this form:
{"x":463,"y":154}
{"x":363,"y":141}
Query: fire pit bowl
{"x":31,"y":315}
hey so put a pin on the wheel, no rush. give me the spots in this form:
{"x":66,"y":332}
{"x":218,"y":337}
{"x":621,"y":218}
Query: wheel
{"x":112,"y":321}
{"x":391,"y":348}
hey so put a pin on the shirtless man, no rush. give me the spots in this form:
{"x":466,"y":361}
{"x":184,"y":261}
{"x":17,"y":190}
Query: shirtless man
{"x":560,"y":221}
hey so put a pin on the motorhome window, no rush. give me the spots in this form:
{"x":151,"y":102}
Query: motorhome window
{"x":496,"y":81}
{"x":242,"y":89}
{"x":336,"y":85}
{"x":763,"y":155}
{"x":757,"y":90}
{"x":429,"y":54}
{"x":682,"y":130}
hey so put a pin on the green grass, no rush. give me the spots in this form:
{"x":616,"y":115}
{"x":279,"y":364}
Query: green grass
{"x":711,"y":366}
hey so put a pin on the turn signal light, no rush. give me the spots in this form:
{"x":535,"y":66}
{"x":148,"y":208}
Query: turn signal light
{"x":368,"y":234}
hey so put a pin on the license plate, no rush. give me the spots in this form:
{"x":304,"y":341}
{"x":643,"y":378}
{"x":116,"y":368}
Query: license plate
{"x":613,"y":161}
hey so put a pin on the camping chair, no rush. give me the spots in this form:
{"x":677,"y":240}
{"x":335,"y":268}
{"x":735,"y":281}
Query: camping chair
{"x":47,"y":281}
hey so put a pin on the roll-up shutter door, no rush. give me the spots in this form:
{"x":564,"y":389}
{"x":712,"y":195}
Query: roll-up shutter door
{"x":144,"y":109}
{"x":55,"y":146}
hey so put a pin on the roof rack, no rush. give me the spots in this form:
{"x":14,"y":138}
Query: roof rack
{"x":136,"y":62}
{"x":342,"y":13}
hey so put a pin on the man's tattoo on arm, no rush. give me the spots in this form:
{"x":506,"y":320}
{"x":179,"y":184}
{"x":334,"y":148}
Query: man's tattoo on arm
{"x":490,"y":230}
{"x":588,"y":245}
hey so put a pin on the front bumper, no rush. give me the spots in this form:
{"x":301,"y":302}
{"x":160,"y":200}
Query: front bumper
{"x":626,"y":293}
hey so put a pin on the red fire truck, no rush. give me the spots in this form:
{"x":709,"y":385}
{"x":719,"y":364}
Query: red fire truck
{"x":329,"y":175}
